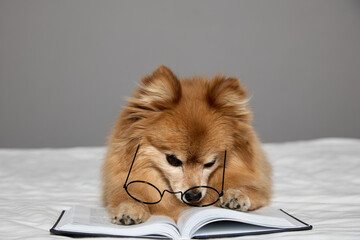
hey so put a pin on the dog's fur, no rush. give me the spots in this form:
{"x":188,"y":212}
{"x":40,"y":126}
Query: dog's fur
{"x":195,"y":120}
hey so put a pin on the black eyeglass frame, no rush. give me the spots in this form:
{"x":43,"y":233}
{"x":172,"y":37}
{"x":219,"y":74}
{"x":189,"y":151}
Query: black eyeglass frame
{"x":126,"y":184}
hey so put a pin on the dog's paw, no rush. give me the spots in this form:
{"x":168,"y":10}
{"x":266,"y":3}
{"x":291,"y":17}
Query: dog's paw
{"x":128,"y":213}
{"x":236,"y":200}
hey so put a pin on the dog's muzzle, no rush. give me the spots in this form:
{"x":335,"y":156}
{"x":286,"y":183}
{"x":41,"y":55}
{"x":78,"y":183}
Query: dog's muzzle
{"x":193,"y":196}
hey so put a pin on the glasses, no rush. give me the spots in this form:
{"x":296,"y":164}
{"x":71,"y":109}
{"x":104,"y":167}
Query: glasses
{"x":147,"y":193}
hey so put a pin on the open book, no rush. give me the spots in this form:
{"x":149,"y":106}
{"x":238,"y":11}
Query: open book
{"x":204,"y":222}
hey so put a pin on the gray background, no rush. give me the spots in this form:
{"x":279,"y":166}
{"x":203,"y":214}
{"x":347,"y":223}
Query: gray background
{"x":66,"y":66}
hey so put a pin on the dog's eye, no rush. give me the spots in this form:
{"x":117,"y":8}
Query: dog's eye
{"x":173,"y":160}
{"x":210,"y":164}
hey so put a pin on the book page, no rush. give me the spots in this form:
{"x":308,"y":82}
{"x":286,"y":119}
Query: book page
{"x":269,"y":211}
{"x":229,"y":228}
{"x":193,"y":219}
{"x":96,"y":221}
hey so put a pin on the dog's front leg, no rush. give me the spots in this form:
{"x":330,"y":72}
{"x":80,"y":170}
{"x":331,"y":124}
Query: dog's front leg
{"x":129,"y":212}
{"x":235,"y":199}
{"x":243,"y":199}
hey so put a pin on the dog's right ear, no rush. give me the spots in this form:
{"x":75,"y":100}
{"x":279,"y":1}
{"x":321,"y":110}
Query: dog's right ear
{"x":157,"y":92}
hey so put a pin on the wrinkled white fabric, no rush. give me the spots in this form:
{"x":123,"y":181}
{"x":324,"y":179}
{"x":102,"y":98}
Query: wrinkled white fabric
{"x":318,"y":181}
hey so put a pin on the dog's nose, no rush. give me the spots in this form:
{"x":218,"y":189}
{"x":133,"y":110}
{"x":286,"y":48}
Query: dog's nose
{"x":192,"y":196}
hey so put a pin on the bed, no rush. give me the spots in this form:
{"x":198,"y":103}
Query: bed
{"x":318,"y":181}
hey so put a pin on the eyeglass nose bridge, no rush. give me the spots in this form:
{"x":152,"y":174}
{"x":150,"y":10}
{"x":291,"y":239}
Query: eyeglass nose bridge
{"x":171,"y":192}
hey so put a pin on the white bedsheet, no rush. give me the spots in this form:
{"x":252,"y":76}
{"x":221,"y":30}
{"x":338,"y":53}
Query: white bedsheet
{"x":317,"y":181}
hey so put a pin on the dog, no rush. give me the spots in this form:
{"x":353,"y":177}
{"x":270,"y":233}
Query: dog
{"x":176,"y":135}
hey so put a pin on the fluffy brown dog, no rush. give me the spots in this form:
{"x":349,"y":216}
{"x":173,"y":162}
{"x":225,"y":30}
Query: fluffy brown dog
{"x":183,"y":129}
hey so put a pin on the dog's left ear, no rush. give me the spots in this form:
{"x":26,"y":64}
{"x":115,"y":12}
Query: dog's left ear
{"x":228,"y":96}
{"x":158,"y":91}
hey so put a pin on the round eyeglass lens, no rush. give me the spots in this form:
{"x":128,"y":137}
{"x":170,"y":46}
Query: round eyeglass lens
{"x":144,"y":192}
{"x":200,"y":196}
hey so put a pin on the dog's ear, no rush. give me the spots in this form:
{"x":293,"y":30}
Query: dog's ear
{"x":158,"y":91}
{"x":228,"y":96}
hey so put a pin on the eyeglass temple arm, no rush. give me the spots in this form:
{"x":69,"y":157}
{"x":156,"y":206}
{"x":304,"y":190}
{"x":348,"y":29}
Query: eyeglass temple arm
{"x":137,"y":149}
{"x":222,"y":186}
